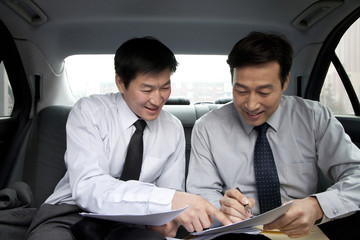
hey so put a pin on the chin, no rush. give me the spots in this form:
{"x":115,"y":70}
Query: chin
{"x":148,"y":117}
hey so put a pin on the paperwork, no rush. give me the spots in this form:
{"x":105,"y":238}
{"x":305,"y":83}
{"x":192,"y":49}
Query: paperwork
{"x":155,"y":219}
{"x":244,"y":226}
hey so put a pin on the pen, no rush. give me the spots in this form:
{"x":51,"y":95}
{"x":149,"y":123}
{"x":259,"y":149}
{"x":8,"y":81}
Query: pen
{"x":246,"y":206}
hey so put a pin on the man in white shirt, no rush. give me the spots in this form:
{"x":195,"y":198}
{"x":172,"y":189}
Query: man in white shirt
{"x":304,"y":136}
{"x":99,"y":129}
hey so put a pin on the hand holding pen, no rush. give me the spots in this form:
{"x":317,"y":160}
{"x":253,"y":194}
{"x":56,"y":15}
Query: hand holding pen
{"x":236,"y":206}
{"x":246,"y":204}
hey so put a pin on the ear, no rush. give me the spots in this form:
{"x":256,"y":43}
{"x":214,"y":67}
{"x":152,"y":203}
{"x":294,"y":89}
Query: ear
{"x":119,"y":83}
{"x":286,"y":83}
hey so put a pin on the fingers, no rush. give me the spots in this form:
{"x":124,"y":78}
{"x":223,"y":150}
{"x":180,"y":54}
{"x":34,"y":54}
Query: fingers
{"x":203,"y":222}
{"x":233,"y":205}
{"x":238,"y":197}
{"x":198,"y":223}
{"x":234,"y":208}
{"x":298,"y":221}
{"x":194,"y":219}
{"x":199,"y":214}
{"x":293,"y":229}
{"x":219,"y":215}
{"x":191,"y":224}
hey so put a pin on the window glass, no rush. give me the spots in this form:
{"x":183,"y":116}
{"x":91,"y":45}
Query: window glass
{"x":199,"y":78}
{"x":333,"y":93}
{"x":6,"y":94}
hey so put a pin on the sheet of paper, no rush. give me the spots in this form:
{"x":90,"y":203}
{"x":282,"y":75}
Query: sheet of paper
{"x":217,"y":234}
{"x":155,"y":219}
{"x":249,"y":223}
{"x":252,"y":231}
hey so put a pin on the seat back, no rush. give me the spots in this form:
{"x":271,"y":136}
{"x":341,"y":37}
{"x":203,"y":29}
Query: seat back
{"x":47,"y":165}
{"x":188,"y":114}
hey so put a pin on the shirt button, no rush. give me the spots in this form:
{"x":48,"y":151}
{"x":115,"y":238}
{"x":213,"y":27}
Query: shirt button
{"x":335,"y":211}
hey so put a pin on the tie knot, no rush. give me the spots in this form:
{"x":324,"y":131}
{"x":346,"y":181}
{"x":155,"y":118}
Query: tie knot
{"x":140,"y":125}
{"x":262,"y":128}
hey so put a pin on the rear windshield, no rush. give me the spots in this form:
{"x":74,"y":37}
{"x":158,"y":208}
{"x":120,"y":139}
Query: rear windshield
{"x":198,"y":78}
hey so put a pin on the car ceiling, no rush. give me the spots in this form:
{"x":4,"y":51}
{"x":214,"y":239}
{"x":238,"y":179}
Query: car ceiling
{"x":197,"y":27}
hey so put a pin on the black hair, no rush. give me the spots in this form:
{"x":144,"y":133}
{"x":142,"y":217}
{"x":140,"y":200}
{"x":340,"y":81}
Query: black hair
{"x":143,"y":55}
{"x":257,"y":48}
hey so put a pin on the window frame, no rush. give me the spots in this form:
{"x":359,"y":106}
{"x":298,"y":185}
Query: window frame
{"x":14,"y":127}
{"x":327,"y":56}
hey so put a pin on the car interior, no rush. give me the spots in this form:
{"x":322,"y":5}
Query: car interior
{"x":37,"y":36}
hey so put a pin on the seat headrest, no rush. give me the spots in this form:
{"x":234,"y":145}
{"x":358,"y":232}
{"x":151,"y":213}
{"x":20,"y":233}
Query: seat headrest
{"x":177,"y":101}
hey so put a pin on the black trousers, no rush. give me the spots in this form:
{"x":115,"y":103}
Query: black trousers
{"x":54,"y":222}
{"x":344,"y":228}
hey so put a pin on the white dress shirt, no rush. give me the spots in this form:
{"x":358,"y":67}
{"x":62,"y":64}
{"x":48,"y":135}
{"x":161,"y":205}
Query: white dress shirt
{"x":98,"y":130}
{"x":304,"y":136}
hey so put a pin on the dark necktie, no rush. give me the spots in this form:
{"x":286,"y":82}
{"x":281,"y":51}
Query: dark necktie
{"x":133,"y":161}
{"x":267,"y":181}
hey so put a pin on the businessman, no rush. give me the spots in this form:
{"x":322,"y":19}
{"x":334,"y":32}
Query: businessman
{"x":271,"y":146}
{"x":125,"y":155}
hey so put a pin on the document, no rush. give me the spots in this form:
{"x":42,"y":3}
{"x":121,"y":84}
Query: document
{"x":217,"y":234}
{"x":155,"y":219}
{"x":246,"y":225}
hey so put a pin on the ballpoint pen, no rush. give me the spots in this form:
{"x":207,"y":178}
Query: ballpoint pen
{"x":246,"y":206}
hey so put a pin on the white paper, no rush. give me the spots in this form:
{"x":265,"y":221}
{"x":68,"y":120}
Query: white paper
{"x":261,"y":219}
{"x":217,"y":234}
{"x":155,"y":219}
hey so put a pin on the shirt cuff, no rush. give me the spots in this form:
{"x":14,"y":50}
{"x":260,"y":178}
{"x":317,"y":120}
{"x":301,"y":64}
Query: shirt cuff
{"x":161,"y":200}
{"x":331,"y":205}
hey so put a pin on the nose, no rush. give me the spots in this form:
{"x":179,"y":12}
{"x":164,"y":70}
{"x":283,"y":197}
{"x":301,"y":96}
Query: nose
{"x":156,"y":98}
{"x":252,"y":102}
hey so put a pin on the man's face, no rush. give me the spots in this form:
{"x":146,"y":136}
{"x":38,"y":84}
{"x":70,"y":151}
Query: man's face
{"x":257,"y":91}
{"x":146,"y":94}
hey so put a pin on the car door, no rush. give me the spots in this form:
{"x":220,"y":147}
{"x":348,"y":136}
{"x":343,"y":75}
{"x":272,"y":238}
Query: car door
{"x":15,"y":104}
{"x":335,"y":79}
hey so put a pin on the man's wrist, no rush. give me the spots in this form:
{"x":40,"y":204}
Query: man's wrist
{"x":318,"y":210}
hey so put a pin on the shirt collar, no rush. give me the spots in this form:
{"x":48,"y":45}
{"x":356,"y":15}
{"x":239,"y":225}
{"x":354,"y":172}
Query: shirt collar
{"x":127,"y":116}
{"x":273,"y":121}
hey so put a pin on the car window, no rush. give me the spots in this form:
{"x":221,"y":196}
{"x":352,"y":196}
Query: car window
{"x":6,"y":95}
{"x":199,"y":78}
{"x":333,"y":93}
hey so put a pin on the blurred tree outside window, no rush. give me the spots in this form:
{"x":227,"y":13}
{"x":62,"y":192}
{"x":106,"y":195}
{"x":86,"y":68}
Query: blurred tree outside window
{"x":6,"y":94}
{"x":333,"y":93}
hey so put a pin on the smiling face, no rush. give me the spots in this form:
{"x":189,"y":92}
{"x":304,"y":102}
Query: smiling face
{"x":257,"y":91}
{"x":146,"y":94}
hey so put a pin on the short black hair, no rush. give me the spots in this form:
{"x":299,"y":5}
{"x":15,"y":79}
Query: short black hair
{"x":143,"y":55}
{"x":257,"y":48}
